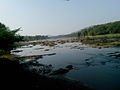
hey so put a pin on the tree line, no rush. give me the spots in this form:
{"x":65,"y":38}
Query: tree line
{"x":108,"y":28}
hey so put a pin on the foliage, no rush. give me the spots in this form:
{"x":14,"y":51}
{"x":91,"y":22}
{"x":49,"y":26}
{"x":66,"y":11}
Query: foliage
{"x":107,"y":35}
{"x":102,"y":29}
{"x":110,"y":40}
{"x":8,"y":38}
{"x":109,"y":28}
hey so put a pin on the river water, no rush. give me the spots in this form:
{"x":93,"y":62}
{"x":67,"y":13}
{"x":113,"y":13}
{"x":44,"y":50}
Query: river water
{"x":93,"y":67}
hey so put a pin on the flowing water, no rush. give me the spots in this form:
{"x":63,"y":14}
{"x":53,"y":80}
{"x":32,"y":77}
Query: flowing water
{"x":96,"y":68}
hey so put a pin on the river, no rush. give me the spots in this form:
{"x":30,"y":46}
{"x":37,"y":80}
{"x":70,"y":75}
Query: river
{"x":94,"y":67}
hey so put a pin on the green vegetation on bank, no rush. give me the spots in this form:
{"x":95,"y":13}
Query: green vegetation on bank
{"x":8,"y":38}
{"x":103,"y":29}
{"x":111,"y":28}
{"x":109,"y":40}
{"x":104,"y":35}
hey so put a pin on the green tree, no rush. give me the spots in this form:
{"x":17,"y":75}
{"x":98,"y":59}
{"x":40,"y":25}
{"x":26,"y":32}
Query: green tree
{"x":8,"y":38}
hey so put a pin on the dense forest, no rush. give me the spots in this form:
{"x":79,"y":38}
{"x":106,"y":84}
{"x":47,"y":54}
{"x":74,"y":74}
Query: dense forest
{"x":109,"y":28}
{"x":8,"y":38}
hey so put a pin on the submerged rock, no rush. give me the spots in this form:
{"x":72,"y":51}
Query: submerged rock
{"x":16,"y":51}
{"x":118,"y":55}
{"x":33,"y":63}
{"x":38,"y":48}
{"x":103,"y":62}
{"x":62,"y":70}
{"x":87,"y":59}
{"x":50,"y":65}
{"x":69,"y":66}
{"x":88,"y":63}
{"x":49,"y":54}
{"x":115,"y":54}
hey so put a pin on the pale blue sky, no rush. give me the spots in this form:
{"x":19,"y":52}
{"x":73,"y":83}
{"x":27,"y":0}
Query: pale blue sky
{"x":54,"y":17}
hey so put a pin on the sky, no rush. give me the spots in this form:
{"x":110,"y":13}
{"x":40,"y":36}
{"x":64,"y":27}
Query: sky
{"x":56,"y":17}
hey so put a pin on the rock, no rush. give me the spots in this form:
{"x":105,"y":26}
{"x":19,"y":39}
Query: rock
{"x":60,"y":71}
{"x":117,"y":52}
{"x":73,"y":47}
{"x":110,"y":53}
{"x":47,"y":70}
{"x":117,"y":55}
{"x":50,"y":65}
{"x":38,"y":57}
{"x":88,"y":63}
{"x":87,"y":59}
{"x":50,"y":54}
{"x":16,"y":51}
{"x":81,"y":48}
{"x":103,"y":62}
{"x":34,"y":63}
{"x":69,"y":67}
{"x":46,"y":49}
{"x":30,"y":45}
{"x":77,"y":47}
{"x":99,"y":47}
{"x":38,"y":48}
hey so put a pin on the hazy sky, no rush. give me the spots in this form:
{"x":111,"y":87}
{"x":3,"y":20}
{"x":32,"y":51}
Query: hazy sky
{"x":54,"y":17}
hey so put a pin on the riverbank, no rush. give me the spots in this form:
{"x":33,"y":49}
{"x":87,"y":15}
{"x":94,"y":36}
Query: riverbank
{"x":14,"y":76}
{"x":98,"y":41}
{"x":102,"y":41}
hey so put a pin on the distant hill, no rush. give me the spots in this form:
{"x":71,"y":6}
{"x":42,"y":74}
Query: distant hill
{"x":102,"y":29}
{"x":36,"y":37}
